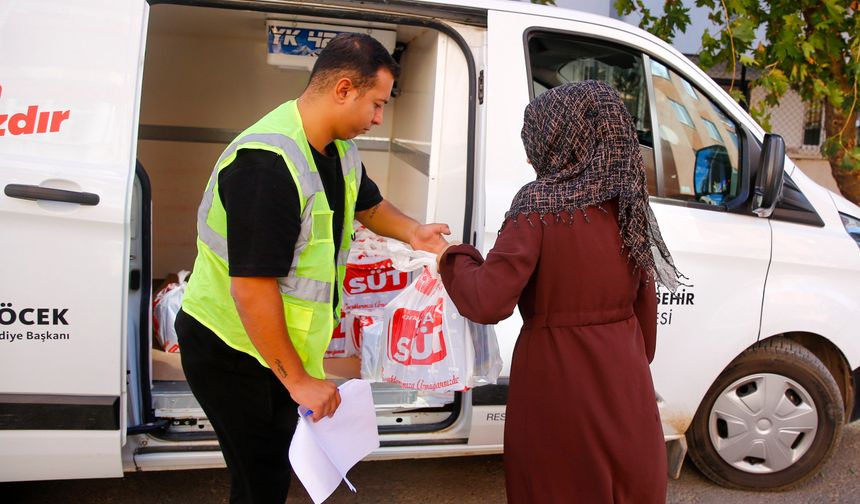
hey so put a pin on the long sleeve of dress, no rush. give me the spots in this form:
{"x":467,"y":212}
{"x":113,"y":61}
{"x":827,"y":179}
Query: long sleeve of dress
{"x":487,"y":291}
{"x":645,"y":309}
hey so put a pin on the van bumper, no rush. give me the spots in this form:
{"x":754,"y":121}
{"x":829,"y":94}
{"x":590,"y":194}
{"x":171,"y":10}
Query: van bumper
{"x":855,"y":381}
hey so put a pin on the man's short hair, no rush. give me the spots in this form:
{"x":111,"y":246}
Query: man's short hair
{"x":354,"y":55}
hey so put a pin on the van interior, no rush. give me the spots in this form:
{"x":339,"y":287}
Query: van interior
{"x":206,"y":78}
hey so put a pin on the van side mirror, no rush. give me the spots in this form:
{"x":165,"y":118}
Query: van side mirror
{"x":768,"y":185}
{"x":713,"y":174}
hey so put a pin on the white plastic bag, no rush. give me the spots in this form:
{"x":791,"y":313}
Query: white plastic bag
{"x":370,"y":329}
{"x":164,"y":309}
{"x":425,"y":343}
{"x":486,"y":357}
{"x":371,"y":282}
{"x":339,"y":345}
{"x":371,"y":279}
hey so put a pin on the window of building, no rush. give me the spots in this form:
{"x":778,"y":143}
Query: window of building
{"x":812,"y":124}
{"x":689,"y":89}
{"x":659,"y":69}
{"x":698,"y":165}
{"x":727,"y":124}
{"x":556,"y":59}
{"x":712,"y":130}
{"x":681,"y":112}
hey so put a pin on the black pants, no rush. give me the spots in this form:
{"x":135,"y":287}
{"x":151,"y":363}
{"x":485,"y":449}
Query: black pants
{"x":251,"y":411}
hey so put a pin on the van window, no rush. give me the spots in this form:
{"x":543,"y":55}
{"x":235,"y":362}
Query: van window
{"x":698,"y":142}
{"x":557,"y":58}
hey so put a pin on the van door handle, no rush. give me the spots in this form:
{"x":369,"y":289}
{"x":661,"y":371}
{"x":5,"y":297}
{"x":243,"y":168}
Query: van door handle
{"x":34,"y":193}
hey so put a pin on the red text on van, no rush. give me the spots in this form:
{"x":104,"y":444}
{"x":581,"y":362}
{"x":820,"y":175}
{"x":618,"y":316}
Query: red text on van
{"x":33,"y":121}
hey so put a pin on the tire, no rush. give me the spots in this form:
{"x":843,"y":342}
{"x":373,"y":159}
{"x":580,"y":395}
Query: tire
{"x":770,"y":421}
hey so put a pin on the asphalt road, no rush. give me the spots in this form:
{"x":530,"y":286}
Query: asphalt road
{"x":466,"y":480}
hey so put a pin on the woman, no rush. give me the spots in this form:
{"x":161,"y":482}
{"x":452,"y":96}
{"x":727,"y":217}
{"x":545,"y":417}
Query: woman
{"x":575,"y":253}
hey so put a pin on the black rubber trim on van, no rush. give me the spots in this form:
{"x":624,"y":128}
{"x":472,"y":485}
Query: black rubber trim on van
{"x":455,"y":408}
{"x":793,"y":206}
{"x":855,"y":378}
{"x":390,"y":11}
{"x":146,"y":294}
{"x":491,"y":395}
{"x":58,"y":412}
{"x":423,"y":442}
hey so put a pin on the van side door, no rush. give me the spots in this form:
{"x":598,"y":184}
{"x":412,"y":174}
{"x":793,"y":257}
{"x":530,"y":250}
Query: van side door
{"x":698,"y":161}
{"x":69,"y":94}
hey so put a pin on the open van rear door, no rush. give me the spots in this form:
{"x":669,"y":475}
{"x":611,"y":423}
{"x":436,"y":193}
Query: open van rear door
{"x":69,"y":93}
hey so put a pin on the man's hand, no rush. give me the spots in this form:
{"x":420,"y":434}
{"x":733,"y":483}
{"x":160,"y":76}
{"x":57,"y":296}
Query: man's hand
{"x":386,"y":220}
{"x":261,"y":308}
{"x":428,"y":237}
{"x":319,"y":396}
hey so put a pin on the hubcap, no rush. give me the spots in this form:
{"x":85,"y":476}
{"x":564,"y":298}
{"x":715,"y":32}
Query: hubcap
{"x":763,"y":423}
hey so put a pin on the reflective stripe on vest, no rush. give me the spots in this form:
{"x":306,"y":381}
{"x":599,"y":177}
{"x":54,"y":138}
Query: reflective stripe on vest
{"x":310,"y":183}
{"x":351,"y":160}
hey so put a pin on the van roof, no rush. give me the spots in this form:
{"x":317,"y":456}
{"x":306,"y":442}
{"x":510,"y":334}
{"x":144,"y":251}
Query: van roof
{"x":475,"y":12}
{"x":477,"y":9}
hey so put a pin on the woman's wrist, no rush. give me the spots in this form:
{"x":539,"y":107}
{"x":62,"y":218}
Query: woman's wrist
{"x":442,"y":252}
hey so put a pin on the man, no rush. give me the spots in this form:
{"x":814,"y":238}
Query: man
{"x":255,"y":323}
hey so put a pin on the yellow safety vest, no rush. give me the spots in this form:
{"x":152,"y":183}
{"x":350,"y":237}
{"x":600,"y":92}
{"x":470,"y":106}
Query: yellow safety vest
{"x":308,"y":290}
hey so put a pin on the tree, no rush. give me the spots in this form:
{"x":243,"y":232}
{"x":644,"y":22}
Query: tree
{"x":810,"y":46}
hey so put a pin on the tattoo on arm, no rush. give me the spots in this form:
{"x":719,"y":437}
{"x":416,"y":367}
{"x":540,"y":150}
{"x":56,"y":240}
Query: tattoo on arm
{"x":372,"y":212}
{"x":281,"y":370}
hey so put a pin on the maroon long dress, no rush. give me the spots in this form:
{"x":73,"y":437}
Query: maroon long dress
{"x":582,"y":424}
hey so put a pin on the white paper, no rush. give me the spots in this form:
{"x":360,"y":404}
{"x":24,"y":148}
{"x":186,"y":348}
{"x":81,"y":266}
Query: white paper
{"x":321,"y":453}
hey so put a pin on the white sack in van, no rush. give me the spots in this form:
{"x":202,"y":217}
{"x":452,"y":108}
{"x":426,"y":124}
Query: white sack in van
{"x":164,"y":309}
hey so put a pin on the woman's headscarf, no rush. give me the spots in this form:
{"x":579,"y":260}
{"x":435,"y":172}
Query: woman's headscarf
{"x":582,"y":143}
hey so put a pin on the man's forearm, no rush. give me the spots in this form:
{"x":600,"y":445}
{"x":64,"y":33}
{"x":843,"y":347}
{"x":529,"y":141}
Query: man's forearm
{"x":387,"y":220}
{"x":261,"y":310}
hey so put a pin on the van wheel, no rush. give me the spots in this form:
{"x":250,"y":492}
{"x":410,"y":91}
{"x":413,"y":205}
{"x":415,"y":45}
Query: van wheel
{"x":770,"y":421}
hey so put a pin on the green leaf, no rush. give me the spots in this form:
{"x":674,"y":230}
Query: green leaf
{"x":738,"y":95}
{"x":808,"y":50}
{"x":623,"y":7}
{"x":834,"y":10}
{"x":744,"y":30}
{"x":819,"y":87}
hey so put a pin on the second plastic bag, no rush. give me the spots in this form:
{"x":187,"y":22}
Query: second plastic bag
{"x":425,"y":343}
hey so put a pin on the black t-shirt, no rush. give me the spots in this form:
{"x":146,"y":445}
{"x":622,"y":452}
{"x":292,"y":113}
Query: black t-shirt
{"x":263,"y":209}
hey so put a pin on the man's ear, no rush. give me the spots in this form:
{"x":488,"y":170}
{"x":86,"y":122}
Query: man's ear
{"x":342,"y":89}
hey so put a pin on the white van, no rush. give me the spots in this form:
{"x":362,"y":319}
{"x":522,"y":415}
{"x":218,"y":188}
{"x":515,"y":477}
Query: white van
{"x":112,"y":113}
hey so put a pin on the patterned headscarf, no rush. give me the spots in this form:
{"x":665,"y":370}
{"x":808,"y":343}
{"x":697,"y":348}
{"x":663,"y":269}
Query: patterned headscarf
{"x":582,"y":143}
